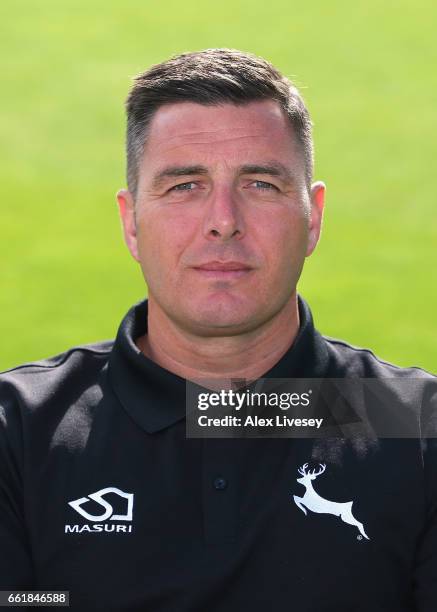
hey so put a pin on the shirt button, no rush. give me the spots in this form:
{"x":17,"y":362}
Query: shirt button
{"x":220,"y":483}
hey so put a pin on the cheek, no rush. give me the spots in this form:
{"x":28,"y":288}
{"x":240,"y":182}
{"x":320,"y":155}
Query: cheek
{"x":161,"y":239}
{"x":284,"y":238}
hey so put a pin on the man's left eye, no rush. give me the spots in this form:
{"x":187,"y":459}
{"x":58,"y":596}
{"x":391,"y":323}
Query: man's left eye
{"x":264,"y":185}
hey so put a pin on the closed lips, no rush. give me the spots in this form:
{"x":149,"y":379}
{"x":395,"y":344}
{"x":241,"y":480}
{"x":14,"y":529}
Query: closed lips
{"x":216,"y":266}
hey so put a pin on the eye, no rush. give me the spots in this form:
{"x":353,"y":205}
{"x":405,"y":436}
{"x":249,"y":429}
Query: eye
{"x":265,"y":185}
{"x":183,"y":187}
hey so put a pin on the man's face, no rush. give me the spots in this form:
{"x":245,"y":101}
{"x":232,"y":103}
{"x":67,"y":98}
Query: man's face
{"x":223,"y":220}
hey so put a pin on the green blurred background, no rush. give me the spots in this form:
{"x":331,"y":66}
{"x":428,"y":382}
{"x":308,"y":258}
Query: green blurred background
{"x":368,"y":73}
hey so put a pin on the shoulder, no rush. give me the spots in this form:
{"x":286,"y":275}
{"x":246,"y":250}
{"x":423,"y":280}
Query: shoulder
{"x":347,"y":360}
{"x":51,"y":401}
{"x":31,"y":384}
{"x":398,"y":402}
{"x":96,"y":350}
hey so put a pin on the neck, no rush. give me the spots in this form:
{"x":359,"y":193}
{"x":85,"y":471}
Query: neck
{"x":247,"y":356}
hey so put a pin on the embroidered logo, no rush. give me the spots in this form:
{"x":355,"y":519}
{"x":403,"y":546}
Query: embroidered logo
{"x":314,"y":502}
{"x":107,"y":514}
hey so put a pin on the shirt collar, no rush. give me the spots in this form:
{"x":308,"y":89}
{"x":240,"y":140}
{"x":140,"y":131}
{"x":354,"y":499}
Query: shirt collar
{"x":155,"y":398}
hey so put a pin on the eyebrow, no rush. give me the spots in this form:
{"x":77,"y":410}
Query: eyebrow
{"x":273,"y":168}
{"x":175,"y":171}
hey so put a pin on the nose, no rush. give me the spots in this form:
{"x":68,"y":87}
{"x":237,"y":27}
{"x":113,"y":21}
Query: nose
{"x":223,"y":217}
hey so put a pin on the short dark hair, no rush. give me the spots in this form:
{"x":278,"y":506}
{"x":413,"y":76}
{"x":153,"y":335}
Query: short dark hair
{"x":211,"y":77}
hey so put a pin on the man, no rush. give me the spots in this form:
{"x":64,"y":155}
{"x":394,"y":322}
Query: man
{"x":101,"y":491}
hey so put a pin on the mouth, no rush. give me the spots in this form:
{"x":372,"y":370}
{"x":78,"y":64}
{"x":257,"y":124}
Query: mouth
{"x":223,"y":270}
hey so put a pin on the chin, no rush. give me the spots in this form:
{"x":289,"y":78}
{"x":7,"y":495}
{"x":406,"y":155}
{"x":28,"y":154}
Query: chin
{"x":221,"y":317}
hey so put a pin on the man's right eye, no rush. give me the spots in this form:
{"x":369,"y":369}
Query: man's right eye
{"x":182,"y":187}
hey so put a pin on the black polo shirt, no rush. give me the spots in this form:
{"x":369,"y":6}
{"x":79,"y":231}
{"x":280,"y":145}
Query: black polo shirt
{"x":102,"y":494}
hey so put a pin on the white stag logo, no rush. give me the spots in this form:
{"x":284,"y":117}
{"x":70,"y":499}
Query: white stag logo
{"x":312,"y":501}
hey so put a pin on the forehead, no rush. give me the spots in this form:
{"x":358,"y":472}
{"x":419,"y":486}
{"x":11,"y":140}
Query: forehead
{"x":197,"y":133}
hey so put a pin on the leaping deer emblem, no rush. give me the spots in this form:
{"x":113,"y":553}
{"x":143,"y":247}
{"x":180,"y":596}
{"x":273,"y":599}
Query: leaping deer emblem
{"x":314,"y":502}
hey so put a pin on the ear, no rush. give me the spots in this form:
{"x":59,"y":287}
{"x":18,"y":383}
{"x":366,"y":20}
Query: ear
{"x":316,"y":217}
{"x":126,"y":205}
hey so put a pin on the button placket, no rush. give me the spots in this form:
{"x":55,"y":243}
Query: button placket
{"x":220,"y":488}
